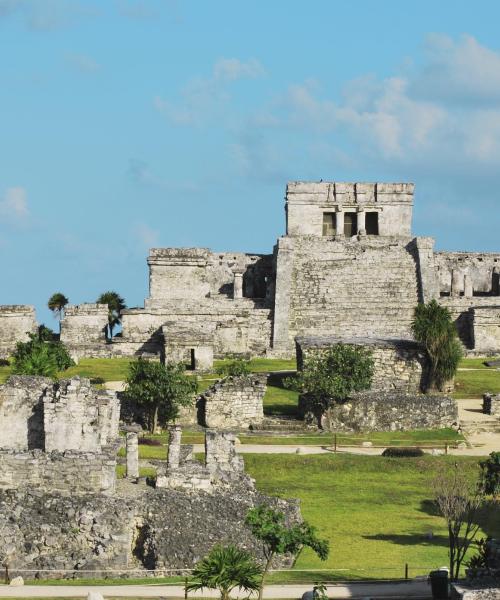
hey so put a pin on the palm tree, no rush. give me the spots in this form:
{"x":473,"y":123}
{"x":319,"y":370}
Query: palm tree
{"x":115,"y":305}
{"x":56,"y":304}
{"x":225,"y":568}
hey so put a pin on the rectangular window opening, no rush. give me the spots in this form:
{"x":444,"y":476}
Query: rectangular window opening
{"x":371,"y":223}
{"x":350,"y":224}
{"x":329,"y":224}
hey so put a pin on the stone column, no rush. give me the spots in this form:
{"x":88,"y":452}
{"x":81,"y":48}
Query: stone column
{"x":132,"y":450}
{"x":456,"y":282}
{"x":361,"y":221}
{"x":468,"y":287}
{"x":238,"y":285}
{"x":174,"y":448}
{"x":339,"y":217}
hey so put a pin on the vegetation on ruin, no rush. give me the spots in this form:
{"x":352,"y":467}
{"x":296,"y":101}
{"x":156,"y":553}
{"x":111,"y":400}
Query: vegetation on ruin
{"x":334,"y":375}
{"x":278,"y":537}
{"x":233,"y":367}
{"x":225,"y":568}
{"x":433,"y":327}
{"x":39,"y":356}
{"x":160,"y":390}
{"x":115,"y":305}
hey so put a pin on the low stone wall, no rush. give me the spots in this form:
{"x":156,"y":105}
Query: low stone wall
{"x":398,"y":364}
{"x":233,"y":402}
{"x":66,"y":472}
{"x":383,"y":411}
{"x":16,"y":321}
{"x":153,"y":529}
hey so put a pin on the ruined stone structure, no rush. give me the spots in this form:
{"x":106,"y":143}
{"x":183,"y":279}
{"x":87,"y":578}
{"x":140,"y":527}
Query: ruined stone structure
{"x":58,"y":436}
{"x":491,"y":404}
{"x":15,"y":324}
{"x":83,"y":330}
{"x":348,"y":266}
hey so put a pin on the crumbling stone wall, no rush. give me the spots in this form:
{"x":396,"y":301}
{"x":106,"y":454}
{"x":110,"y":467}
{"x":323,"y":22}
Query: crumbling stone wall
{"x":398,"y":364}
{"x":383,"y":411}
{"x":60,"y":436}
{"x":482,"y":268}
{"x":83,"y":329}
{"x":233,"y":402}
{"x":486,"y":328}
{"x":16,"y":321}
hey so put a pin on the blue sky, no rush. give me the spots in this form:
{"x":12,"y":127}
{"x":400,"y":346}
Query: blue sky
{"x":129,"y":124}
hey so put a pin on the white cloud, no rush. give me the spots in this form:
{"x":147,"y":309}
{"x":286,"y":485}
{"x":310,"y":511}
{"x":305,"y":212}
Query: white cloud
{"x":147,"y":236}
{"x":231,"y":69}
{"x":83,"y":63}
{"x":14,"y":205}
{"x":47,"y":15}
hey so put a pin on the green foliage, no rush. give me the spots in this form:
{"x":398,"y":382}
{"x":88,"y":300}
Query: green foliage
{"x":235,"y":367}
{"x":334,"y":375}
{"x":56,"y":303}
{"x":225,"y":568}
{"x":115,"y":305}
{"x":159,"y":390}
{"x":40,"y":357}
{"x":490,"y":474}
{"x":268,"y":525}
{"x":403,"y":452}
{"x":46,"y":334}
{"x":433,"y":327}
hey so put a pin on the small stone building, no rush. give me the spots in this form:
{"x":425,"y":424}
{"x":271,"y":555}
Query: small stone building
{"x":16,"y":322}
{"x":58,"y":436}
{"x":83,"y":330}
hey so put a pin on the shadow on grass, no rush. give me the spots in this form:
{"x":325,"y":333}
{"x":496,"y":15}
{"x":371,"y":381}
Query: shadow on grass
{"x":410,"y":539}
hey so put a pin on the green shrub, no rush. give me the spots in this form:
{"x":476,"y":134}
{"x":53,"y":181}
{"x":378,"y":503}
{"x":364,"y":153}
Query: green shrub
{"x":403,"y":452}
{"x":490,"y":474}
{"x":144,"y":441}
{"x":40,"y":357}
{"x":334,"y":375}
{"x":235,"y":367}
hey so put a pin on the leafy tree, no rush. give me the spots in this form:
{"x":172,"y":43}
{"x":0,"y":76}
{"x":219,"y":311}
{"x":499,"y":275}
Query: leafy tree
{"x":490,"y":474}
{"x":458,"y":500}
{"x":334,"y":375}
{"x":159,"y":390}
{"x":56,"y":304}
{"x":235,"y":367}
{"x":268,"y":525}
{"x":225,"y":568}
{"x":40,"y":357}
{"x":115,"y":305}
{"x":433,"y":327}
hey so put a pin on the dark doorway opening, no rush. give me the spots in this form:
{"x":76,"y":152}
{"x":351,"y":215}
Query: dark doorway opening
{"x":192,"y":360}
{"x":371,"y":223}
{"x":350,"y":224}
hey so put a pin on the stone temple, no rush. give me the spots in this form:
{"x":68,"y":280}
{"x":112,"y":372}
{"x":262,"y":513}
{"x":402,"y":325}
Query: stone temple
{"x":347,"y":267}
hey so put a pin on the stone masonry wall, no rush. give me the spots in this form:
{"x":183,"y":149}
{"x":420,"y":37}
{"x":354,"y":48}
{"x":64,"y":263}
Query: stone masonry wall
{"x":345,"y":289}
{"x":233,"y":402}
{"x":16,"y":321}
{"x":83,"y":329}
{"x":383,"y":411}
{"x":398,"y":364}
{"x":486,"y":328}
{"x":482,"y":267}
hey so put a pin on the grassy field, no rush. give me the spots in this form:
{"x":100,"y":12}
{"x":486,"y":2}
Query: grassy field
{"x":376,"y":512}
{"x":473,"y":384}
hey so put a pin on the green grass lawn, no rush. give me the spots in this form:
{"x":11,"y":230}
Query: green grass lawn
{"x":5,"y":371}
{"x":265,"y":365}
{"x":473,"y":384}
{"x":102,"y":369}
{"x":476,"y":363}
{"x":375,"y":512}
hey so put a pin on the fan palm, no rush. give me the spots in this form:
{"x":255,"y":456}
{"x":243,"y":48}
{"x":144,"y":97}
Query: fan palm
{"x":115,"y":305}
{"x":225,"y":568}
{"x":56,"y":304}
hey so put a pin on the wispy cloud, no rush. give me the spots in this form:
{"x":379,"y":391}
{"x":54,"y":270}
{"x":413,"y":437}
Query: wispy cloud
{"x":14,"y":205}
{"x":47,"y":15}
{"x":204,"y":97}
{"x":83,"y":63}
{"x":146,"y":235}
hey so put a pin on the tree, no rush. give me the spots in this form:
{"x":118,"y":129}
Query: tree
{"x":56,"y":304}
{"x":38,"y":356}
{"x":115,"y":305}
{"x":490,"y":474}
{"x":268,"y":525}
{"x":433,"y":327}
{"x":159,"y":390}
{"x":225,"y":568}
{"x":458,"y":500}
{"x":334,"y":375}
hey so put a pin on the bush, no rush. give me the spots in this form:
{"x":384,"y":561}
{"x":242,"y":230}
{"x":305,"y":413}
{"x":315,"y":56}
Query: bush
{"x":40,"y":357}
{"x":403,"y":452}
{"x":490,"y":474}
{"x":334,"y":375}
{"x":236,"y":367}
{"x":144,"y":441}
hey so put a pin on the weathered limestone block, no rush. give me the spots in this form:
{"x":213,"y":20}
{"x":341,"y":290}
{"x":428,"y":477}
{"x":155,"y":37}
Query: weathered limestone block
{"x":132,"y":455}
{"x":398,"y":364}
{"x":233,"y":402}
{"x":491,"y":404}
{"x":83,"y":329}
{"x":383,"y":411}
{"x":16,"y":321}
{"x":486,"y":328}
